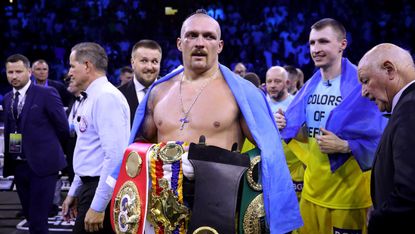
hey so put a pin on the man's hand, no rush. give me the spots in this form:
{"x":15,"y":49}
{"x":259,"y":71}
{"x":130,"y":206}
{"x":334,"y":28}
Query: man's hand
{"x":280,"y":119}
{"x":69,"y":210}
{"x":94,"y":221}
{"x":329,"y":143}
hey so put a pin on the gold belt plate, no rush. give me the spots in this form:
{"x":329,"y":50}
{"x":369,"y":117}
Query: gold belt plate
{"x":127,"y":209}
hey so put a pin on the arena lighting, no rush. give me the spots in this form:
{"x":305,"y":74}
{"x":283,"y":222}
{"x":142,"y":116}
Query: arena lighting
{"x":167,"y":10}
{"x":11,"y":1}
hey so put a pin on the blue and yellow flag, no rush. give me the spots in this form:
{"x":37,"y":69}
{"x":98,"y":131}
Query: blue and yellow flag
{"x":281,"y":206}
{"x":355,"y":119}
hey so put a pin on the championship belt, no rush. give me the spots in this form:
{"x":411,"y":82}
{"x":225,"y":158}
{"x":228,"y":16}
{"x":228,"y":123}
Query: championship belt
{"x":129,"y":200}
{"x":166,"y":211}
{"x":252,"y":212}
{"x":217,"y":178}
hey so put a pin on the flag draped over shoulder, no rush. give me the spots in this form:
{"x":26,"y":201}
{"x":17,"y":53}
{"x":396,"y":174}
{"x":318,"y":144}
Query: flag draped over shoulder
{"x":355,"y":119}
{"x":281,"y":206}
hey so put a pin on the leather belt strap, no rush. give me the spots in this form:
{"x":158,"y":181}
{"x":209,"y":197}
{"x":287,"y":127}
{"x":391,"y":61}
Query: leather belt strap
{"x":217,"y":177}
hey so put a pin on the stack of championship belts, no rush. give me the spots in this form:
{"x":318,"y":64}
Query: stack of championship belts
{"x":223,"y":203}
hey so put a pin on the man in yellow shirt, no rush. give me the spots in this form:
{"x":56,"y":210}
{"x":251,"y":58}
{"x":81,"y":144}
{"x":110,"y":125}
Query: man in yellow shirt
{"x":327,"y":113}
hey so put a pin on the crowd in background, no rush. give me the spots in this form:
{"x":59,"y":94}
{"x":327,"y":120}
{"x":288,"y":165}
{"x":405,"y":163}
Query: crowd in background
{"x":260,"y":34}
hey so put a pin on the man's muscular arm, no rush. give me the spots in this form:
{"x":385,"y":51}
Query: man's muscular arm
{"x":148,"y":130}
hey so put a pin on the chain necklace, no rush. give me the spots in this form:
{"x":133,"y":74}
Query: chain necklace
{"x":184,"y":120}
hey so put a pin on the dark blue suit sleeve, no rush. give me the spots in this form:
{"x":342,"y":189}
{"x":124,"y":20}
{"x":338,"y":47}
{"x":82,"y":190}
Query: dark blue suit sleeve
{"x":57,"y":116}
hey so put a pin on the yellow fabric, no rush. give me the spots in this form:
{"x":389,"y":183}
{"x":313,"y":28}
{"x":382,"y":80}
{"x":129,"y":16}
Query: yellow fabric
{"x":347,"y":188}
{"x":247,"y":146}
{"x":296,"y":168}
{"x":294,"y":164}
{"x":323,"y":220}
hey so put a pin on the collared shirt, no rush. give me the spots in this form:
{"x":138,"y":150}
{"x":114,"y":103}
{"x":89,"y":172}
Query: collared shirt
{"x":74,"y":110}
{"x":22,"y":94}
{"x":139,"y":89}
{"x":103,"y":129}
{"x":399,"y":94}
{"x":46,"y":82}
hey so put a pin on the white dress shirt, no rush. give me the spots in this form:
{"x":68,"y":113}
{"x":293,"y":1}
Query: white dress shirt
{"x":103,"y":129}
{"x":399,"y":94}
{"x":139,"y":89}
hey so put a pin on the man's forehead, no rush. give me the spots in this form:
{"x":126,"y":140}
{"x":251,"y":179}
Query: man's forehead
{"x":147,"y":52}
{"x":275,"y":74}
{"x":239,"y":66}
{"x":193,"y":23}
{"x":18,"y":64}
{"x":39,"y":64}
{"x":325,"y":32}
{"x":363,"y":70}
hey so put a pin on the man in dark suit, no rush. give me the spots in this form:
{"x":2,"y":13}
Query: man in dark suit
{"x":145,"y":61}
{"x":387,"y":74}
{"x":40,"y":71}
{"x":35,"y":126}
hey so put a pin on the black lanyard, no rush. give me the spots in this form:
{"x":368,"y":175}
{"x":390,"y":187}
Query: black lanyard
{"x":79,"y":100}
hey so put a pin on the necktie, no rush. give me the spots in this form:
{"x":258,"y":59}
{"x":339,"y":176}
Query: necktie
{"x":145,"y":91}
{"x":84,"y":95}
{"x":15,"y":105}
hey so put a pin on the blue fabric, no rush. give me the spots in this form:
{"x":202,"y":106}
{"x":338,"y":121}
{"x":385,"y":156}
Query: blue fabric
{"x":281,"y":206}
{"x":355,"y":119}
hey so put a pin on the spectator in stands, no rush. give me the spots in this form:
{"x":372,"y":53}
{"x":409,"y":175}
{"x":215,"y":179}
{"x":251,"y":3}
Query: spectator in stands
{"x":277,"y":94}
{"x":292,"y":81}
{"x":253,"y":78}
{"x":300,"y":79}
{"x":126,"y":74}
{"x":240,"y":69}
{"x":40,"y":71}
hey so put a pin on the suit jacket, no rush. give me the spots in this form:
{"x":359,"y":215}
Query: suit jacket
{"x":128,"y":90}
{"x":63,"y":93}
{"x":44,"y":128}
{"x":393,"y":175}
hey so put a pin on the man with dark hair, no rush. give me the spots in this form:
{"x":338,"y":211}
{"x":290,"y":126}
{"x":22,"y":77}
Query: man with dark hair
{"x":40,"y":72}
{"x":341,"y":130}
{"x":126,"y":74}
{"x":300,"y":78}
{"x":292,"y":81}
{"x":387,"y":75}
{"x":206,"y":98}
{"x":102,"y":126}
{"x":253,"y":78}
{"x":35,"y":127}
{"x":240,"y":69}
{"x":145,"y":61}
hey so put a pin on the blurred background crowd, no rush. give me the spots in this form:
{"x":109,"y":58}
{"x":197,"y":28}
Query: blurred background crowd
{"x":259,"y":34}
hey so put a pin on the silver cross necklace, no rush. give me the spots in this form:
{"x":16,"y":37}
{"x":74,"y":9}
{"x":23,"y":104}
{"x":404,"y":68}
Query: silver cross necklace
{"x":184,"y":120}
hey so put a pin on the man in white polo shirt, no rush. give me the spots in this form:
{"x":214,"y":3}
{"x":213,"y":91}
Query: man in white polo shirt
{"x":103,"y":128}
